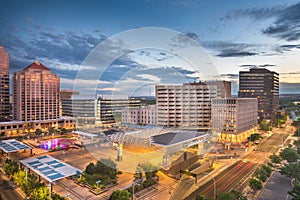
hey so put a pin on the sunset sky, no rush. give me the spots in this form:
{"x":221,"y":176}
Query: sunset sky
{"x":235,"y":35}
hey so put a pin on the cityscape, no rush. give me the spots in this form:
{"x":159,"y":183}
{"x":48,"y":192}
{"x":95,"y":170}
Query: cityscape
{"x":149,"y":100}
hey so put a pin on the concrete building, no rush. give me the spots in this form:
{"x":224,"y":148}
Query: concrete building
{"x":234,"y":118}
{"x":35,"y":93}
{"x":145,"y":115}
{"x":188,"y":105}
{"x":262,"y":84}
{"x":91,"y":109}
{"x":4,"y":85}
{"x":17,"y":128}
{"x":67,"y":94}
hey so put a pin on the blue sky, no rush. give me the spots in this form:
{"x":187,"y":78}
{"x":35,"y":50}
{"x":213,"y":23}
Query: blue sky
{"x":234,"y":34}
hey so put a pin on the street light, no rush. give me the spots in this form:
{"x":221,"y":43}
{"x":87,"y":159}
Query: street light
{"x":214,"y":188}
{"x":26,"y":171}
{"x":98,"y":182}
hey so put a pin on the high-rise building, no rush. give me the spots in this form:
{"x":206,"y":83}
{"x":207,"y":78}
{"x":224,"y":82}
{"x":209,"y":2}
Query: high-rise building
{"x":234,"y":118}
{"x":4,"y":85}
{"x":261,"y":84}
{"x":188,"y":105}
{"x":35,"y":93}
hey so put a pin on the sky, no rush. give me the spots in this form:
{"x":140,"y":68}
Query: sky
{"x":187,"y":38}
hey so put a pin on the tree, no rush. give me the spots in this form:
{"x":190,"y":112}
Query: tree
{"x":291,"y":170}
{"x":295,"y":192}
{"x":10,"y":167}
{"x":254,"y":136}
{"x":255,"y":184}
{"x":106,"y":167}
{"x":63,"y":131}
{"x":200,"y":197}
{"x":38,"y":132}
{"x":55,"y":196}
{"x":31,"y":184}
{"x":265,"y":125}
{"x":51,"y":130}
{"x":275,"y":158}
{"x":149,"y":169}
{"x":120,"y":195}
{"x":19,"y":177}
{"x":289,"y":155}
{"x":40,"y":193}
{"x":232,"y":195}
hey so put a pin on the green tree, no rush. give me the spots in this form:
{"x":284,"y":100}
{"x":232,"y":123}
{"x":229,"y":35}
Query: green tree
{"x":19,"y":177}
{"x":51,"y":130}
{"x":31,"y":184}
{"x":38,"y":132}
{"x":255,"y":184}
{"x":232,"y":195}
{"x":10,"y":167}
{"x":120,"y":195}
{"x":275,"y":158}
{"x":106,"y":167}
{"x":265,"y":126}
{"x":289,"y":155}
{"x":63,"y":131}
{"x":295,"y":192}
{"x":291,"y":170}
{"x":40,"y":193}
{"x":200,"y":197}
{"x":55,"y":196}
{"x":254,"y":136}
{"x":149,"y":169}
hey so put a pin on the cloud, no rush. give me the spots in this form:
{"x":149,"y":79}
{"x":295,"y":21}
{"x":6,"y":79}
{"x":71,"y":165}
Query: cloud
{"x":150,"y":77}
{"x":286,"y":20}
{"x":254,"y":13}
{"x":286,"y":25}
{"x":233,"y":53}
{"x":232,"y":49}
{"x":287,"y":47}
{"x":257,"y":66}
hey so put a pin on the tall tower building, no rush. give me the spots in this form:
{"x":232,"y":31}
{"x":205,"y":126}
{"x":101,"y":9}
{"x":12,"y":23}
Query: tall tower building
{"x":4,"y":84}
{"x":188,"y":105}
{"x":35,"y":93}
{"x":261,"y":84}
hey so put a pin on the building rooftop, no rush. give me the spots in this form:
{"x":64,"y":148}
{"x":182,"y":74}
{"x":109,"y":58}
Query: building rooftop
{"x":12,"y":145}
{"x":50,"y":168}
{"x":171,"y":138}
{"x":37,"y":65}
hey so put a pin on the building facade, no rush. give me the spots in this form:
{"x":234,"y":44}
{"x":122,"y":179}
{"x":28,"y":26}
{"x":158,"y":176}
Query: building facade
{"x":188,"y":105}
{"x":35,"y":93}
{"x":261,"y":84}
{"x":96,"y":110}
{"x":17,"y":128}
{"x":145,"y":115}
{"x":4,"y":85}
{"x":234,"y":119}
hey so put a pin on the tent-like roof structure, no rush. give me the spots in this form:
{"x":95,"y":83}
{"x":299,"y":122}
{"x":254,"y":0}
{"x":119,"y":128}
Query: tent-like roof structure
{"x":12,"y":145}
{"x":175,"y":138}
{"x":50,"y":168}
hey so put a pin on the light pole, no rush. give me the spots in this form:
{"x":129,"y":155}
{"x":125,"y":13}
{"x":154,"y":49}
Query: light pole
{"x":214,"y":188}
{"x":50,"y":190}
{"x":26,"y":171}
{"x":98,"y":182}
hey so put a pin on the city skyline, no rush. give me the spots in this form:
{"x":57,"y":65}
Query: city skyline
{"x":235,"y":35}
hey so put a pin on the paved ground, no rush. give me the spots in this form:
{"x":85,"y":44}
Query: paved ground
{"x":276,"y":188}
